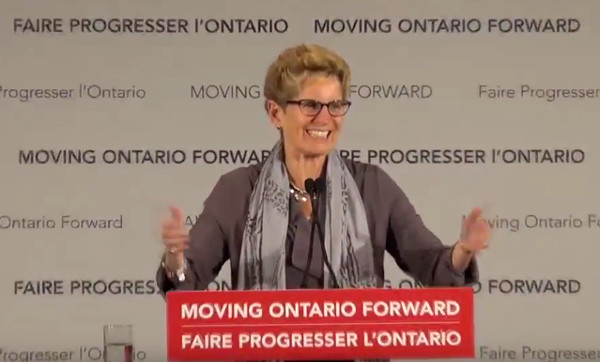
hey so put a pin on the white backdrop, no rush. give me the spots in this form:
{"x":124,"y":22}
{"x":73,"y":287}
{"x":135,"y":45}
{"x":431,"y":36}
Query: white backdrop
{"x":84,"y":89}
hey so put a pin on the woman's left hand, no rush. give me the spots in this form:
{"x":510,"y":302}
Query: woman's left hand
{"x":475,"y":232}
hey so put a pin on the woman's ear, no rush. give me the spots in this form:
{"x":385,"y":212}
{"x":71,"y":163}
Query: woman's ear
{"x":275,"y":112}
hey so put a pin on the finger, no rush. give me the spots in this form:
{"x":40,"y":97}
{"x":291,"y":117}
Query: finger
{"x":468,"y":227}
{"x":174,"y":233}
{"x":475,"y":214}
{"x":482,"y":248}
{"x":176,"y":237}
{"x":179,"y":246}
{"x":173,"y":241}
{"x":176,"y":241}
{"x":170,"y":222}
{"x":172,"y":225}
{"x":177,"y":249}
{"x":480,"y":224}
{"x":177,"y":214}
{"x":478,"y":227}
{"x":173,"y":229}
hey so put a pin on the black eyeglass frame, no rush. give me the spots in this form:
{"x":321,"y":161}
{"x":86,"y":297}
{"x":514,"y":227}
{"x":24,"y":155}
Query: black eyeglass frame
{"x":301,"y":102}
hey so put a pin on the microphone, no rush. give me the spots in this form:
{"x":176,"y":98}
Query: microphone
{"x":309,"y":186}
{"x":314,"y":188}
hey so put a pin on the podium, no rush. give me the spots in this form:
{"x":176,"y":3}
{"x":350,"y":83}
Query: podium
{"x":331,"y":324}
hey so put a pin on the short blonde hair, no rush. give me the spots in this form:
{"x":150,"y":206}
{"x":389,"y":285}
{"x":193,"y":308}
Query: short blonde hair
{"x":293,"y":65}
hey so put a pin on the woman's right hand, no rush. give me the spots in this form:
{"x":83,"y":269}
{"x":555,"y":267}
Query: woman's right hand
{"x":175,"y":239}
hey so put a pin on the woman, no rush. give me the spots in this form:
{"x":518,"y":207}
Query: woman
{"x":259,"y":217}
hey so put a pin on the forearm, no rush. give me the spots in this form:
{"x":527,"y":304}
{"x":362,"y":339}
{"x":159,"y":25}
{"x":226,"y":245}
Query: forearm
{"x":461,"y":257}
{"x":426,"y":258}
{"x":417,"y":250}
{"x":166,"y":285}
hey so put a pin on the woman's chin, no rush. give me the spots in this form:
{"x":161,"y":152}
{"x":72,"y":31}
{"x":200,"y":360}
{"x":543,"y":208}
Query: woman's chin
{"x":312,"y":148}
{"x":317,"y":151}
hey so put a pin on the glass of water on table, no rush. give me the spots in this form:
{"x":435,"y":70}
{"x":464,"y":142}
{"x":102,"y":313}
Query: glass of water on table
{"x":118,"y":343}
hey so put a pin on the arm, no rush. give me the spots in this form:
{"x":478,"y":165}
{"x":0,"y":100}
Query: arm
{"x":417,"y":251}
{"x":205,"y":257}
{"x":462,"y":257}
{"x":207,"y":250}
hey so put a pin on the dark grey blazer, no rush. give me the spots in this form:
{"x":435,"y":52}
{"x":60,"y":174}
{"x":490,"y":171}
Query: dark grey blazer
{"x":394,"y":225}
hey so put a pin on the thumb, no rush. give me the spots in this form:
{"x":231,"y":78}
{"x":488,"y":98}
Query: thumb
{"x":177,"y":214}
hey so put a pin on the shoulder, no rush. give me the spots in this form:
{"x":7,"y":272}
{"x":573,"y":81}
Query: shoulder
{"x":236,"y":183}
{"x":370,"y":177}
{"x":371,"y":180}
{"x":383,"y":197}
{"x":228,"y":200}
{"x":242,"y":177}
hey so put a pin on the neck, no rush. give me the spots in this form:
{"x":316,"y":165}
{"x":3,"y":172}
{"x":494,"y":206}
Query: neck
{"x":301,"y":167}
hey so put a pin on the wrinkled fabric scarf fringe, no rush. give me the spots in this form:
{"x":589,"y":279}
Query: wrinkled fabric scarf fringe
{"x":347,"y":239}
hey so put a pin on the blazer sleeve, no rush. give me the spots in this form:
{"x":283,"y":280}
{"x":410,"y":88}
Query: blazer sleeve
{"x":208,"y":249}
{"x":416,"y":250}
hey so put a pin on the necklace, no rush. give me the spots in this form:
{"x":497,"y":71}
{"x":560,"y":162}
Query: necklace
{"x":298,"y":193}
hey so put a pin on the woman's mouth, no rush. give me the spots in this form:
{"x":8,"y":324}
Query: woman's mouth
{"x":318,"y":133}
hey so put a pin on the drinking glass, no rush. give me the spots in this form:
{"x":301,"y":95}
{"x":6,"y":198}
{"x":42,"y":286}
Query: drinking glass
{"x":118,"y":343}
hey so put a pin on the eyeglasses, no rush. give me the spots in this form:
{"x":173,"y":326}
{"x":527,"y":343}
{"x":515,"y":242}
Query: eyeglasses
{"x":311,"y":107}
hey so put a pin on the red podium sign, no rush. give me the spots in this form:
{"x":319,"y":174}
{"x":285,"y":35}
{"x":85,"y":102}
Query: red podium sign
{"x":320,"y":324}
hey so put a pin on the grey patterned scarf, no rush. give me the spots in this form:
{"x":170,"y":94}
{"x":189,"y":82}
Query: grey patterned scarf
{"x":347,"y":240}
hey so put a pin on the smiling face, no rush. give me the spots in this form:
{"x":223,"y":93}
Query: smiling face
{"x":310,"y":128}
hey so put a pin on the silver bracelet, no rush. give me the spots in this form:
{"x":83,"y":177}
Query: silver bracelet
{"x":179,"y":275}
